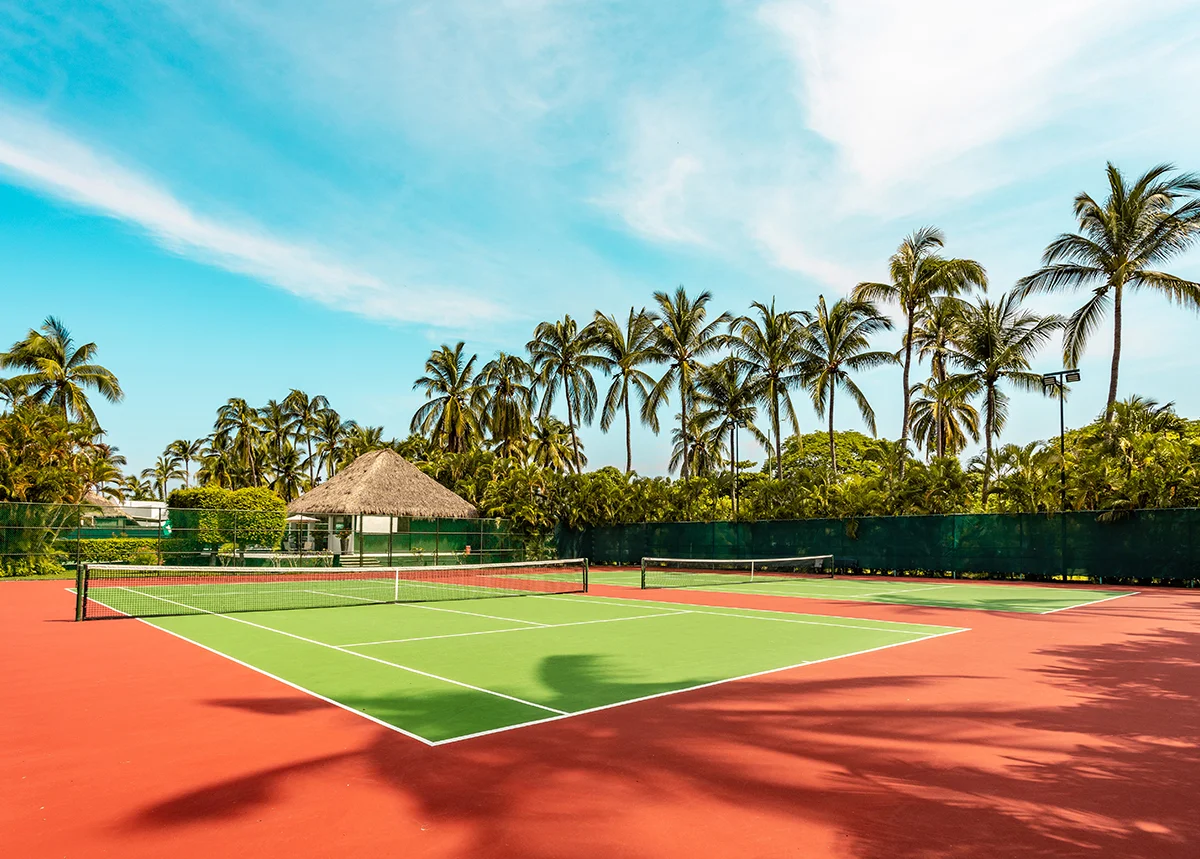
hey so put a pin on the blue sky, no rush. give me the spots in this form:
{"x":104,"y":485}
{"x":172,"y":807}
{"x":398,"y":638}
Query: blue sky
{"x":238,"y":198}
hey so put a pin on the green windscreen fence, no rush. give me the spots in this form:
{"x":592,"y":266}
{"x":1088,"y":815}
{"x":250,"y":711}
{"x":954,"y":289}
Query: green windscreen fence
{"x":1142,"y":545}
{"x":51,"y":538}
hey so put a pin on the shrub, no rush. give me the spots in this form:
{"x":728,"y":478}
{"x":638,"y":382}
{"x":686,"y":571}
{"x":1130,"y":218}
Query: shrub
{"x":116,"y":550}
{"x":210,"y":517}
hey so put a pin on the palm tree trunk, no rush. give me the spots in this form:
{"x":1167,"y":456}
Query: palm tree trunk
{"x":683,"y":467}
{"x":1116,"y":356}
{"x":775,"y":431}
{"x":628,"y":434}
{"x":907,"y":367}
{"x":308,"y":440}
{"x":571,"y":424}
{"x":832,"y":447}
{"x":989,"y":411}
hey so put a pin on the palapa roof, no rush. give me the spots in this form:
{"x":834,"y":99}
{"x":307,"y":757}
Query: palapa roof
{"x":383,"y":483}
{"x":92,"y":498}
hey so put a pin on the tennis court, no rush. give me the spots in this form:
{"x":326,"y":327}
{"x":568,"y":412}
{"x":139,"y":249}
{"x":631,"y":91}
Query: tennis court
{"x":472,"y":663}
{"x":993,"y":596}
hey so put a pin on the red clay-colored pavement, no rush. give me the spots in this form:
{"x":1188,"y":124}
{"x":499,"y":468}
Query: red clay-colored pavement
{"x":1075,"y":734}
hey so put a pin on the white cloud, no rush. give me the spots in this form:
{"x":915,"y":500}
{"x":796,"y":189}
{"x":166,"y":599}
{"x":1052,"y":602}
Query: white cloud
{"x":37,"y":155}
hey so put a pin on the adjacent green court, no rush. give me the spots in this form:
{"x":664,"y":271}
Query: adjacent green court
{"x":943,"y":594}
{"x":444,"y":671}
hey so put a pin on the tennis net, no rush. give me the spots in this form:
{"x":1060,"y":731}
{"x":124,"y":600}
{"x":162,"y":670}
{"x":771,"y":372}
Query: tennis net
{"x":119,"y":590}
{"x":701,"y":572}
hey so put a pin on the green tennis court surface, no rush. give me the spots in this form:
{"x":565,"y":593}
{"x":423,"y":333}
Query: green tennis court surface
{"x":443,"y":671}
{"x":955,"y":594}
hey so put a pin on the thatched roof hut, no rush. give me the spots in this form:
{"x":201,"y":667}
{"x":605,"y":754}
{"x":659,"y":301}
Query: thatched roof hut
{"x":383,"y":483}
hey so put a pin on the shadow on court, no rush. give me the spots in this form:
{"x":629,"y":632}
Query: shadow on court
{"x":988,"y":744}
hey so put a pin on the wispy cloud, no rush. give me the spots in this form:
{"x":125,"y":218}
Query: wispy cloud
{"x":40,"y":156}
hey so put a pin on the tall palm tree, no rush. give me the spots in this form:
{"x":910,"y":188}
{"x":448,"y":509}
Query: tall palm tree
{"x":287,"y":473}
{"x":166,"y":469}
{"x":919,"y":275}
{"x":995,"y":345}
{"x":331,"y":432}
{"x":932,"y":333}
{"x":451,"y":418}
{"x":683,"y":336}
{"x":306,"y":411}
{"x":360,"y":440}
{"x":186,"y":451}
{"x":771,"y":345}
{"x":625,"y":350}
{"x":1119,"y":243}
{"x":729,"y":394}
{"x":562,"y":357}
{"x":278,"y":425}
{"x":508,"y":383}
{"x":837,"y":343}
{"x":241,"y":423}
{"x":58,"y":372}
{"x":552,"y":446}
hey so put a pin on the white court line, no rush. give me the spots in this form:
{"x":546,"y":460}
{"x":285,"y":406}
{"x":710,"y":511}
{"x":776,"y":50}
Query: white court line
{"x":435,"y":608}
{"x":691,"y":688}
{"x":353,"y":653}
{"x":276,"y":677}
{"x":1093,"y":602}
{"x":892,"y":624}
{"x":518,"y":629}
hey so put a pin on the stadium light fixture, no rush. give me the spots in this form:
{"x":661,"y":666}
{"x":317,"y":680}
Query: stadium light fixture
{"x":1058,"y":381}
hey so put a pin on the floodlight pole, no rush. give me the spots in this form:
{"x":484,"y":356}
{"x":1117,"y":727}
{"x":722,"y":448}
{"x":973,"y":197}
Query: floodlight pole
{"x":1058,"y":380}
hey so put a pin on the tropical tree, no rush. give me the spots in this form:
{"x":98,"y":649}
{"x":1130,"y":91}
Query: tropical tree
{"x":683,"y":337}
{"x":186,"y":451}
{"x":134,"y":488}
{"x":57,"y":372}
{"x":942,"y":417}
{"x":287,"y":473}
{"x":1118,"y":247}
{"x":330,"y":433}
{"x":451,"y":419}
{"x":563,"y":358}
{"x":994,"y":346}
{"x":552,"y":446}
{"x":729,"y":393}
{"x":306,"y":411}
{"x":771,"y":345}
{"x":507,"y":381}
{"x":360,"y":440}
{"x":837,"y":343}
{"x":919,"y":275}
{"x":166,"y":469}
{"x":278,"y":426}
{"x":237,"y":429}
{"x":698,"y":445}
{"x":625,"y":350}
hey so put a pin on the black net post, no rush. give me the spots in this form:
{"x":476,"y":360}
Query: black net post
{"x":585,"y":575}
{"x":80,"y":591}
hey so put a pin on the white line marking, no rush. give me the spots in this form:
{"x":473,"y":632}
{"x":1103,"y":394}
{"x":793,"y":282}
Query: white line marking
{"x":616,"y":704}
{"x":275,"y":677}
{"x":354,"y":653}
{"x":889,"y":627}
{"x":1093,"y":602}
{"x":517,"y":629}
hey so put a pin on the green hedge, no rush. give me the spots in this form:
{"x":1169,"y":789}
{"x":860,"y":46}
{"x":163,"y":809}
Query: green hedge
{"x":116,"y":550}
{"x":209,"y":517}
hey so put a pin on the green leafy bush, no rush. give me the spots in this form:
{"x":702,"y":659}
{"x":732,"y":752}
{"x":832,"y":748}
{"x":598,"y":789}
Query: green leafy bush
{"x":209,"y":517}
{"x":115,"y":550}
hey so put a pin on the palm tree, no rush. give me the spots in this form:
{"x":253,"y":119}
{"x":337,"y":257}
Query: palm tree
{"x":931,"y":336}
{"x":562,"y":357}
{"x":166,"y":469}
{"x":451,"y":418}
{"x":625,"y":349}
{"x":287,"y":473}
{"x":278,"y":425}
{"x":59,"y":373}
{"x":1118,"y":243}
{"x":837,"y":343}
{"x":942,"y":416}
{"x":772,"y":345}
{"x":136,"y":489}
{"x":186,"y":451}
{"x":683,"y":336}
{"x":552,"y":446}
{"x":994,"y":345}
{"x":919,"y":274}
{"x":306,"y":411}
{"x":362,"y":440}
{"x":507,"y":380}
{"x":698,"y":445}
{"x":730,"y":393}
{"x":331,"y":433}
{"x":240,"y":423}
